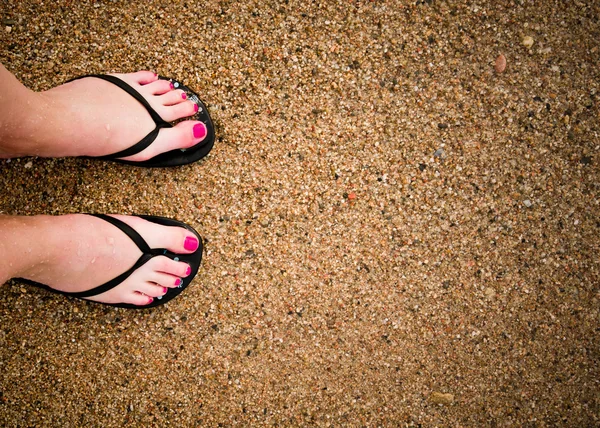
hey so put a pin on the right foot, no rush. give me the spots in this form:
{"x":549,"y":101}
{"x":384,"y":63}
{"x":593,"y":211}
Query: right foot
{"x":93,"y":252}
{"x":93,"y":117}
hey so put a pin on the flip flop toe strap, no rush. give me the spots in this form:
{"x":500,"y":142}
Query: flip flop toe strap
{"x":140,"y":146}
{"x":113,"y":282}
{"x":148,"y":254}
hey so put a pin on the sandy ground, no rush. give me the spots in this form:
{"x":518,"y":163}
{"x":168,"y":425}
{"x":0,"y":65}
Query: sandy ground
{"x":396,"y":233}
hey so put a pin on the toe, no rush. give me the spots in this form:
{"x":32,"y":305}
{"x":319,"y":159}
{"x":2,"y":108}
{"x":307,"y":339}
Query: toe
{"x":165,"y":280}
{"x":152,"y":290}
{"x":158,"y":87}
{"x":177,"y":111}
{"x":129,"y":297}
{"x":180,"y":241}
{"x":173,"y":97}
{"x":176,"y":239}
{"x":165,"y":265}
{"x":140,"y":77}
{"x":139,"y":299}
{"x":184,"y":135}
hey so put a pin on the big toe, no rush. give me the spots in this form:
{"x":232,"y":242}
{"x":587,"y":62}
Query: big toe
{"x":176,"y":239}
{"x":184,"y":135}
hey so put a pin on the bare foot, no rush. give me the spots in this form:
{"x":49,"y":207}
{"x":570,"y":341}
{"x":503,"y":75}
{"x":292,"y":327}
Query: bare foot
{"x":74,"y":253}
{"x":93,"y":117}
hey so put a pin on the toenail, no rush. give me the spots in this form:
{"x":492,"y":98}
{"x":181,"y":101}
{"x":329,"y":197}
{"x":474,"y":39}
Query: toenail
{"x":199,"y":130}
{"x":188,"y":271}
{"x":191,"y":243}
{"x":150,"y":300}
{"x":171,"y":85}
{"x":195,"y":107}
{"x":183,"y":95}
{"x":178,"y":281}
{"x":165,"y":289}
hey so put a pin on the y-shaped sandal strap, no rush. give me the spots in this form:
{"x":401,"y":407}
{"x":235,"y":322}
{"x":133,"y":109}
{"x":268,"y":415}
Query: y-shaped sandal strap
{"x":148,"y":253}
{"x":148,"y":139}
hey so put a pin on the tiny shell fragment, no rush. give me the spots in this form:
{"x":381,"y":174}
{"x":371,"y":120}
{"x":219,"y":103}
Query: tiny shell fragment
{"x":439,"y":398}
{"x":527,"y":41}
{"x":500,"y":65}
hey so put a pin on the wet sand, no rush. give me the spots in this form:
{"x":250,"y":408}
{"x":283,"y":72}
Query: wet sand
{"x":397,"y":234}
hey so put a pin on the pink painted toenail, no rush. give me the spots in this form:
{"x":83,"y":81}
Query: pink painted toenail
{"x":196,"y":108}
{"x":178,"y":281}
{"x":183,"y":95}
{"x":199,"y":130}
{"x":165,"y":289}
{"x":150,"y":300}
{"x":188,"y":271}
{"x":171,"y":85}
{"x":190,"y":242}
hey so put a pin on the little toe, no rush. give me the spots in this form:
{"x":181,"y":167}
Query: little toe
{"x":143,"y":77}
{"x":184,"y":135}
{"x":117,"y":296}
{"x":141,"y":300}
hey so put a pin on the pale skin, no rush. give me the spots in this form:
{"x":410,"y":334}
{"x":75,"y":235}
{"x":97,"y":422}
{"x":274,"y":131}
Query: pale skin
{"x":92,"y":117}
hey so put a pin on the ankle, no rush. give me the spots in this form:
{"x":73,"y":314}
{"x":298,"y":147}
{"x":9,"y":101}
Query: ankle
{"x":25,"y":244}
{"x":22,"y":129}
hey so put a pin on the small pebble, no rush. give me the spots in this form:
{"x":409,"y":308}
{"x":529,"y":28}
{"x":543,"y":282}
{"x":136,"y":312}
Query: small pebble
{"x":527,"y":203}
{"x":500,"y":65}
{"x":28,"y":165}
{"x":440,"y":153}
{"x":527,"y":41}
{"x":440,"y":398}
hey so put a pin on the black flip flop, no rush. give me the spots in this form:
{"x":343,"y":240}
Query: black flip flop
{"x":173,"y":157}
{"x":193,"y":260}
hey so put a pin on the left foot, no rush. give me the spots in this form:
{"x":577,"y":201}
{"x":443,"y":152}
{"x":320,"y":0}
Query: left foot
{"x":93,"y":117}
